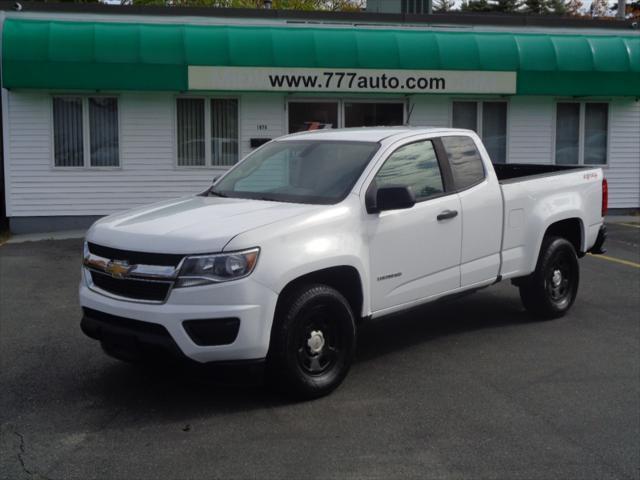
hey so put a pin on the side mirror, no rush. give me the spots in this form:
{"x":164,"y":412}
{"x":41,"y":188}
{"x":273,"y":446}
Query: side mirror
{"x":390,"y":198}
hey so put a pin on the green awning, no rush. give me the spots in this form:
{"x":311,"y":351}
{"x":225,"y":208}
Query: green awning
{"x":125,"y":56}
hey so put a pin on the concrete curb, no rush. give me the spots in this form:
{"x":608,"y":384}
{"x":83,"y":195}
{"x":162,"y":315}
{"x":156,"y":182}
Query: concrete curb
{"x":37,"y":237}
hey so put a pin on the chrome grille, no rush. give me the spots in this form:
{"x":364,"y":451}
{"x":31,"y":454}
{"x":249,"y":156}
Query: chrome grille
{"x":130,"y":275}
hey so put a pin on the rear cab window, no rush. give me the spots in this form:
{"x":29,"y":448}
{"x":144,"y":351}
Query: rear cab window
{"x":465,"y":161}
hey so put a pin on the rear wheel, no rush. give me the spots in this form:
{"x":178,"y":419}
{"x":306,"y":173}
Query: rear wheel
{"x":312,"y":342}
{"x":551,"y":289}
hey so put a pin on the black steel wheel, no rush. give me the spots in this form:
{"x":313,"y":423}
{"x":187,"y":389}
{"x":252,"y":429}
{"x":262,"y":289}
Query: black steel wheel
{"x":312,"y":341}
{"x":551,"y":289}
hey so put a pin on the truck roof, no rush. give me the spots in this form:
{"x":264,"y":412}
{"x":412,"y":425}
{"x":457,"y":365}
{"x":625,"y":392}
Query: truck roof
{"x":368,"y":134}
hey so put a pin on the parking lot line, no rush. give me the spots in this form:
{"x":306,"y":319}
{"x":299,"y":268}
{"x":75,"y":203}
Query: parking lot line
{"x":632,"y":225}
{"x":617,"y":260}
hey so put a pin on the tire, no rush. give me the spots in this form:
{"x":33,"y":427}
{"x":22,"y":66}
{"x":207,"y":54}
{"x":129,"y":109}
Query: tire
{"x":551,"y":289}
{"x":313,"y":342}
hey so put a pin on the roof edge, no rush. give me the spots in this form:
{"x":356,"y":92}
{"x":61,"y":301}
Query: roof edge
{"x":457,"y":18}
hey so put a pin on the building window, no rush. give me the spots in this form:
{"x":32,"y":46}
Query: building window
{"x":581,"y":133}
{"x":67,"y":132}
{"x":207,"y":132}
{"x":567,"y":133}
{"x":224,"y":131}
{"x":103,"y":131}
{"x":489,"y":120}
{"x":85,"y":128}
{"x":191,"y":140}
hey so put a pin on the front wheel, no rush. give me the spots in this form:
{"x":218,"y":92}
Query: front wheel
{"x":551,"y":289}
{"x":312,"y":342}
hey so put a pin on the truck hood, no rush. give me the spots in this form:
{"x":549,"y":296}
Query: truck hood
{"x":190,"y":225}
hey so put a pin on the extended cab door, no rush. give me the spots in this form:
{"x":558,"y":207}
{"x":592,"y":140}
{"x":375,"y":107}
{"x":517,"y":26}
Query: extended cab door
{"x":481,"y":215}
{"x":413,"y":254}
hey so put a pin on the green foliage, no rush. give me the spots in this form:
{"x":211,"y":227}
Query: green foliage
{"x":327,"y":5}
{"x":476,"y":6}
{"x":558,"y":7}
{"x":506,"y":6}
{"x":540,"y":7}
{"x":443,"y":5}
{"x":502,"y":6}
{"x":574,"y":7}
{"x":599,"y":8}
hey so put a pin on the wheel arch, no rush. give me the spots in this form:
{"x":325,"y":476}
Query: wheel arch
{"x":570,"y":229}
{"x":346,"y":279}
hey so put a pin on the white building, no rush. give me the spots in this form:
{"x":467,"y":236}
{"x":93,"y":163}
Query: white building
{"x":114,"y":107}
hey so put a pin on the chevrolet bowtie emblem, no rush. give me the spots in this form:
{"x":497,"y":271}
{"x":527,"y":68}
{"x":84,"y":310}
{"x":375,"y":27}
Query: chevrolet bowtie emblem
{"x":118,"y":269}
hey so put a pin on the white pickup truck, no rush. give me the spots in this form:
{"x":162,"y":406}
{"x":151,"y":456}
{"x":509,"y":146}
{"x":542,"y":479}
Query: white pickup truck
{"x":280,"y":260}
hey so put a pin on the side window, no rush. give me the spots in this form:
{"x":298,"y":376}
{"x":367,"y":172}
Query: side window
{"x":465,"y":161}
{"x":415,"y":166}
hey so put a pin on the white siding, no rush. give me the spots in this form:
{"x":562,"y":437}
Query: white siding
{"x":147,"y":156}
{"x":530,"y":130}
{"x":147,"y":140}
{"x":623,"y":173}
{"x":430,"y":111}
{"x":260,"y":109}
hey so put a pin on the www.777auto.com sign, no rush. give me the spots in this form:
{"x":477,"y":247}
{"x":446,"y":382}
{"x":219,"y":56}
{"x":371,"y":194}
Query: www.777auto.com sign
{"x":349,"y":80}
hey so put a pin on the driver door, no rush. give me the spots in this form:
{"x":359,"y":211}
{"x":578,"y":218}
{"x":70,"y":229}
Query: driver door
{"x":413,"y":254}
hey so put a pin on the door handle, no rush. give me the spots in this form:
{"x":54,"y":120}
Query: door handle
{"x":447,"y":214}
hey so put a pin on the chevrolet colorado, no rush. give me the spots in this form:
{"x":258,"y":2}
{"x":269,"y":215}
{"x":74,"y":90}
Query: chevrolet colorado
{"x":282,"y":257}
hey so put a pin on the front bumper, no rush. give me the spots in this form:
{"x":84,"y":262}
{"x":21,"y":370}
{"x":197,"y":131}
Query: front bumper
{"x":245,"y":300}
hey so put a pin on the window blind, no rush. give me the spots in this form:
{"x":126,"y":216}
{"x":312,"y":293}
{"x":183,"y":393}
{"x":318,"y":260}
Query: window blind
{"x":67,"y":132}
{"x":103,"y":129}
{"x":190,"y":126}
{"x":595,"y":133}
{"x":567,"y":133}
{"x":465,"y":115}
{"x":224,"y":131}
{"x":494,"y":130}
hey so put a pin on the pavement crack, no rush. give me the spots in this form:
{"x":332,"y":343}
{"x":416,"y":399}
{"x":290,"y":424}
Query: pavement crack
{"x":22,"y":452}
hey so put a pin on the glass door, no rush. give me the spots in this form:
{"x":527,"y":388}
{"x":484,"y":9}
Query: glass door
{"x":373,"y":114}
{"x":304,"y":116}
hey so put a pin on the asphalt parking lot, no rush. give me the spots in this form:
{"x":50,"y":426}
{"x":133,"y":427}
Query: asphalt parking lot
{"x":469,"y":389}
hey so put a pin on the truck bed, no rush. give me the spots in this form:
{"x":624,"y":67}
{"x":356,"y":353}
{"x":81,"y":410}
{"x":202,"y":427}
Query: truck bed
{"x":515,"y":172}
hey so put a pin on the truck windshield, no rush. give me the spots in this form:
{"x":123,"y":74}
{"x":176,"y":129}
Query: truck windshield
{"x":298,"y":171}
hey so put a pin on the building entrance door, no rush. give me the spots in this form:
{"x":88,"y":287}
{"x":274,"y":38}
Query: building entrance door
{"x":372,"y":114}
{"x":305,"y":116}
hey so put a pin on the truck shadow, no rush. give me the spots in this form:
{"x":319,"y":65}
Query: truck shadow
{"x":159,"y":393}
{"x":423,"y":324}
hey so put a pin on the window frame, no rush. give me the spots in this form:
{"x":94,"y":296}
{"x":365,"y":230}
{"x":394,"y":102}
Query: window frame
{"x":208,"y":157}
{"x":443,"y":165}
{"x":86,"y":132}
{"x":581,"y":131}
{"x":341,"y":101}
{"x":479,"y":116}
{"x":342,"y":109}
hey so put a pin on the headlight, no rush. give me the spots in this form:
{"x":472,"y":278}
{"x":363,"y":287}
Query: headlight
{"x":222,"y":267}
